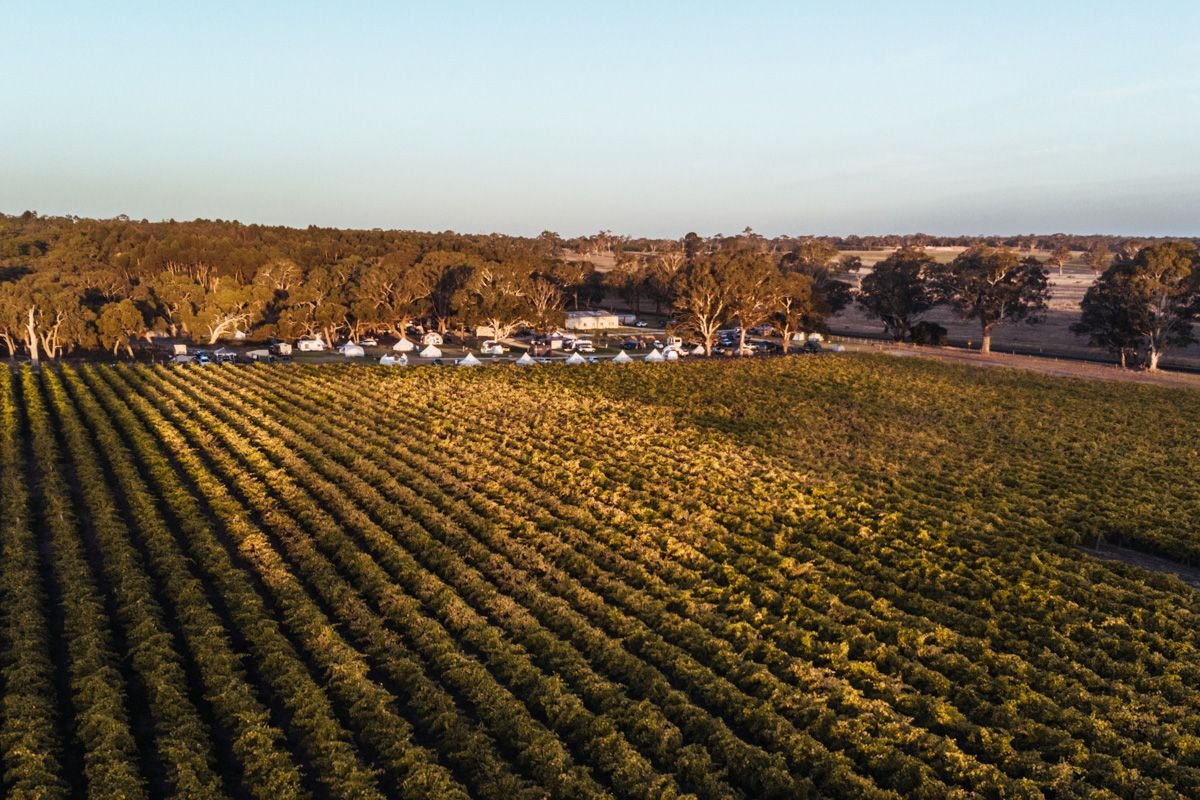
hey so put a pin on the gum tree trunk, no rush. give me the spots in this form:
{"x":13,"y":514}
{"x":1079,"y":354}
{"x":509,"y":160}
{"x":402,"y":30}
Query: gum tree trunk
{"x":1152,"y":359}
{"x":32,"y":338}
{"x":986,"y":345}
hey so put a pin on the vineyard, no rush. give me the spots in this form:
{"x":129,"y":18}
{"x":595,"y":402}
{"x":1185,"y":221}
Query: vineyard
{"x":852,"y":577}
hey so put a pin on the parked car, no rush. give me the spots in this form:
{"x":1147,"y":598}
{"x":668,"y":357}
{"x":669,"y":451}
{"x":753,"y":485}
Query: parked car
{"x":369,"y":341}
{"x":641,"y":323}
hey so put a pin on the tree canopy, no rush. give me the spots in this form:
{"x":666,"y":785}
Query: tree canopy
{"x":1145,"y":304}
{"x":68,"y":283}
{"x":993,"y":285}
{"x":898,"y":291}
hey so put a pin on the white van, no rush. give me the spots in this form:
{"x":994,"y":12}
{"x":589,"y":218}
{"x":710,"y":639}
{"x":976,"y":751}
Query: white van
{"x":314,"y":345}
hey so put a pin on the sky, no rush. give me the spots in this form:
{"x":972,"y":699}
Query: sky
{"x":650,"y":118}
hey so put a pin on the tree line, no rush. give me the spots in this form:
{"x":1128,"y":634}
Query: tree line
{"x":68,"y":283}
{"x":1143,"y":302}
{"x":72,"y":283}
{"x":1098,"y":249}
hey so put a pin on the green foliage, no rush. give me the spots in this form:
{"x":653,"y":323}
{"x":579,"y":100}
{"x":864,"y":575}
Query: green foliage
{"x":993,"y":286}
{"x":210,"y":281}
{"x":119,"y":325}
{"x":703,"y":301}
{"x":827,"y":577}
{"x":898,"y":291}
{"x":1145,"y":304}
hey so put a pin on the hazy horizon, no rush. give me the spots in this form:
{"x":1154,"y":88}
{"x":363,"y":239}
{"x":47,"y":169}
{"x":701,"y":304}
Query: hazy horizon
{"x":572,"y":234}
{"x":646,"y":120}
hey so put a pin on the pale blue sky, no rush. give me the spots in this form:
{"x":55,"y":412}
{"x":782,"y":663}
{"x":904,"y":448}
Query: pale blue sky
{"x":649,"y":118}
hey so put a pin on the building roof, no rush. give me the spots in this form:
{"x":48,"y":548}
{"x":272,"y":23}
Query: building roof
{"x":590,"y":313}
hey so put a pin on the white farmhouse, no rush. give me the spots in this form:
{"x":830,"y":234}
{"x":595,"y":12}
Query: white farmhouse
{"x":592,"y":321}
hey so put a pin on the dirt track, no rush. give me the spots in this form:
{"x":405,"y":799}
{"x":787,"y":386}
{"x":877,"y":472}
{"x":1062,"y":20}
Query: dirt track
{"x":1042,"y":365}
{"x":1108,"y":552}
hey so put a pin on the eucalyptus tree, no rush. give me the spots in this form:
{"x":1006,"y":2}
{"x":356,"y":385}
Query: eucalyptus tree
{"x":496,"y":296}
{"x":545,"y":302}
{"x":572,"y":277}
{"x":792,"y":306}
{"x":448,"y":273}
{"x":1098,"y":257}
{"x":228,"y":308}
{"x":659,"y":271}
{"x":1147,"y":303}
{"x":819,"y":260}
{"x":628,"y":280}
{"x":750,"y":280}
{"x":898,"y":291}
{"x":119,"y":325}
{"x":392,"y":293}
{"x":1059,"y":257}
{"x":702,"y":297}
{"x":994,"y":286}
{"x":319,"y":304}
{"x":44,"y":312}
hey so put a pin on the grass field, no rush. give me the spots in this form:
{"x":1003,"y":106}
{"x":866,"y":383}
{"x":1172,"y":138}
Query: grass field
{"x":828,"y":577}
{"x":943,"y":255}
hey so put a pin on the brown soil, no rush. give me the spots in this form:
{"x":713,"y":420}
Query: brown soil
{"x":1044,"y":365}
{"x":1108,"y":552}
